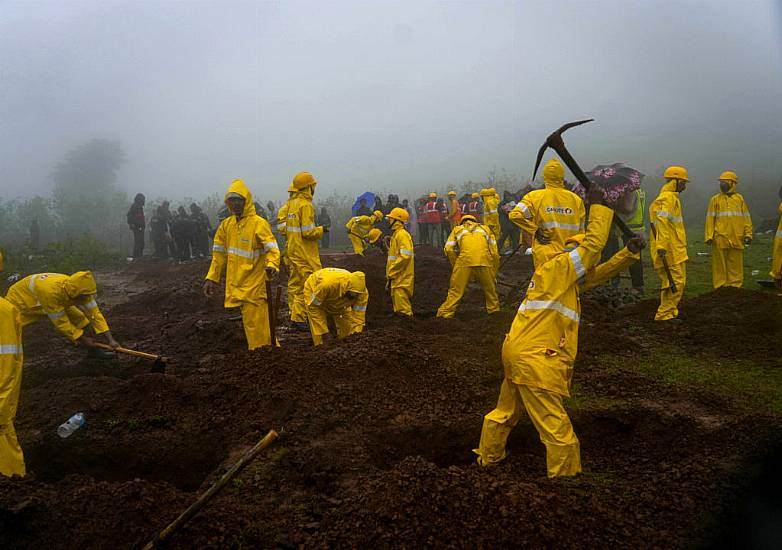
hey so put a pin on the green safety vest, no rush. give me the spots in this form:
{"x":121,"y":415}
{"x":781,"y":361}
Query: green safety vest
{"x":636,"y":221}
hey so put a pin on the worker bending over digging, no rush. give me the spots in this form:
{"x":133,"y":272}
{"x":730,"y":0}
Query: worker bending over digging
{"x":337,"y":294}
{"x":359,"y":227}
{"x":400,"y":270}
{"x":11,"y":360}
{"x":472,"y":250}
{"x":540,"y":350}
{"x":245,"y":249}
{"x":728,"y":231}
{"x":69,"y":303}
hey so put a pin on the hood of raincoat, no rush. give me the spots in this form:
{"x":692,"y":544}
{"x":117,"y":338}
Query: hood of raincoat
{"x":487,"y":192}
{"x":356,"y":282}
{"x":554,"y":174}
{"x":238,"y":187}
{"x":670,"y":186}
{"x":80,"y":283}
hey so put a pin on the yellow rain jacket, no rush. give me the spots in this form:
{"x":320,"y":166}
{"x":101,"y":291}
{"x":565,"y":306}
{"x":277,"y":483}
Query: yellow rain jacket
{"x":400,"y":268}
{"x":243,"y":249}
{"x":727,"y":220}
{"x":325,"y":297}
{"x":358,"y":228}
{"x":540,"y":349}
{"x":282,"y":218}
{"x":472,"y":245}
{"x":666,"y":215}
{"x":559,"y":211}
{"x":491,"y":216}
{"x":776,"y":261}
{"x":11,"y":361}
{"x":68,"y":301}
{"x":302,"y":233}
{"x":455,"y":213}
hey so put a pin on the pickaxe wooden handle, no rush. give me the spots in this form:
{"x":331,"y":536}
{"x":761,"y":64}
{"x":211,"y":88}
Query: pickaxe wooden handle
{"x":671,"y":284}
{"x":132,"y":352}
{"x":556,"y":142}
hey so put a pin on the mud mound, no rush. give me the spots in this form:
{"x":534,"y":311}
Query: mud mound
{"x":376,"y":431}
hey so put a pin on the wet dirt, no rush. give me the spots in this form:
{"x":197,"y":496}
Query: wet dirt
{"x":376,"y":431}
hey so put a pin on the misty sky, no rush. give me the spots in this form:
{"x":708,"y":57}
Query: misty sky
{"x":403,"y":96}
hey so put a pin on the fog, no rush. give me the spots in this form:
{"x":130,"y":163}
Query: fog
{"x":398,"y":96}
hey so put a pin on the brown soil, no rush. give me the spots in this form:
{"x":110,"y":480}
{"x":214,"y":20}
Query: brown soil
{"x":376,"y":430}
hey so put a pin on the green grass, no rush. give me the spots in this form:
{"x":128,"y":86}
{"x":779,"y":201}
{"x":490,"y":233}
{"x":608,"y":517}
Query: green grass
{"x":756,"y":388}
{"x":756,"y":257}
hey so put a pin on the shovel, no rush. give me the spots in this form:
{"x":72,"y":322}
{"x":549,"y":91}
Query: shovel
{"x":158,"y":366}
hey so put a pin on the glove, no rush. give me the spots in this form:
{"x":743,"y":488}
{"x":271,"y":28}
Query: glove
{"x":271,"y":273}
{"x":747,"y":240}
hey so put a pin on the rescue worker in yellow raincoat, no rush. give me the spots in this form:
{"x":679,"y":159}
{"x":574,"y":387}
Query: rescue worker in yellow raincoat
{"x":553,"y":214}
{"x":472,"y":250}
{"x":245,"y":249}
{"x":669,"y":241}
{"x":11,"y":360}
{"x":301,"y":250}
{"x":400,"y":267}
{"x":358,"y":227}
{"x":776,"y":257}
{"x":491,"y":215}
{"x":728,"y":230}
{"x":454,"y":210}
{"x":540,"y":350}
{"x":67,"y":300}
{"x":340,"y":295}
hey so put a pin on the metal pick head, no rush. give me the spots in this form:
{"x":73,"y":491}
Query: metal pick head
{"x":554,"y":140}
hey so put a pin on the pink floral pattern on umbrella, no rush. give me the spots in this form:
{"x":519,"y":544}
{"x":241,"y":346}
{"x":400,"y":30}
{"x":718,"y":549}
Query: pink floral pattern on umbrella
{"x":615,"y":180}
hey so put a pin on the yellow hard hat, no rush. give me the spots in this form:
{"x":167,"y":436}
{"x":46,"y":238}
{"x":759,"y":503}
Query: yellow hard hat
{"x":377,"y":214}
{"x":469,"y":217}
{"x":451,"y":193}
{"x":432,"y":195}
{"x":374,"y":235}
{"x":301,"y":181}
{"x":475,"y":195}
{"x":399,"y":214}
{"x":492,"y":190}
{"x":485,"y":192}
{"x":676,"y":173}
{"x":729,"y":176}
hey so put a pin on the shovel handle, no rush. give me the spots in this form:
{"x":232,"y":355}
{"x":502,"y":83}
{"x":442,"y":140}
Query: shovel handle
{"x":127,"y":351}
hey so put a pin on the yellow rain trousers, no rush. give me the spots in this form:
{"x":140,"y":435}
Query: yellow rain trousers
{"x":728,"y":223}
{"x":301,"y":250}
{"x":665,"y":213}
{"x":776,"y":259}
{"x":400,"y":269}
{"x":325,"y":290}
{"x":477,"y":257}
{"x":561,"y":213}
{"x":68,"y":301}
{"x":358,"y":228}
{"x":11,"y":360}
{"x":243,"y":249}
{"x":540,"y":350}
{"x":491,"y":216}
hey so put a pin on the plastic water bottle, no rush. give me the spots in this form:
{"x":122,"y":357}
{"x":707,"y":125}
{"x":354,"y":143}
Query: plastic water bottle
{"x":74,"y":423}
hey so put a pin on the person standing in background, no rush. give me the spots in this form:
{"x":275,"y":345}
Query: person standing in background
{"x":325,"y":220}
{"x":137,"y":224}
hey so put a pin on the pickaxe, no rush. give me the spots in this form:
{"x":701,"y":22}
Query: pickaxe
{"x":671,"y":284}
{"x":555,"y":142}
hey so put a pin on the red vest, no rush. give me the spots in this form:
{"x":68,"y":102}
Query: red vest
{"x":430,"y":212}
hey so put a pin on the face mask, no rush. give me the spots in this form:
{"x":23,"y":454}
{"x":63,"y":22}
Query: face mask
{"x":724,"y":186}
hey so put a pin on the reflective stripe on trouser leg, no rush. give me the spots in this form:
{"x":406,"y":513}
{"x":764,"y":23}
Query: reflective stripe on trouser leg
{"x":459,"y":279}
{"x":255,"y":318}
{"x":358,"y":244}
{"x":400,"y":298}
{"x":669,"y":301}
{"x":498,"y":424}
{"x":485,"y":277}
{"x":548,"y":414}
{"x":11,"y":456}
